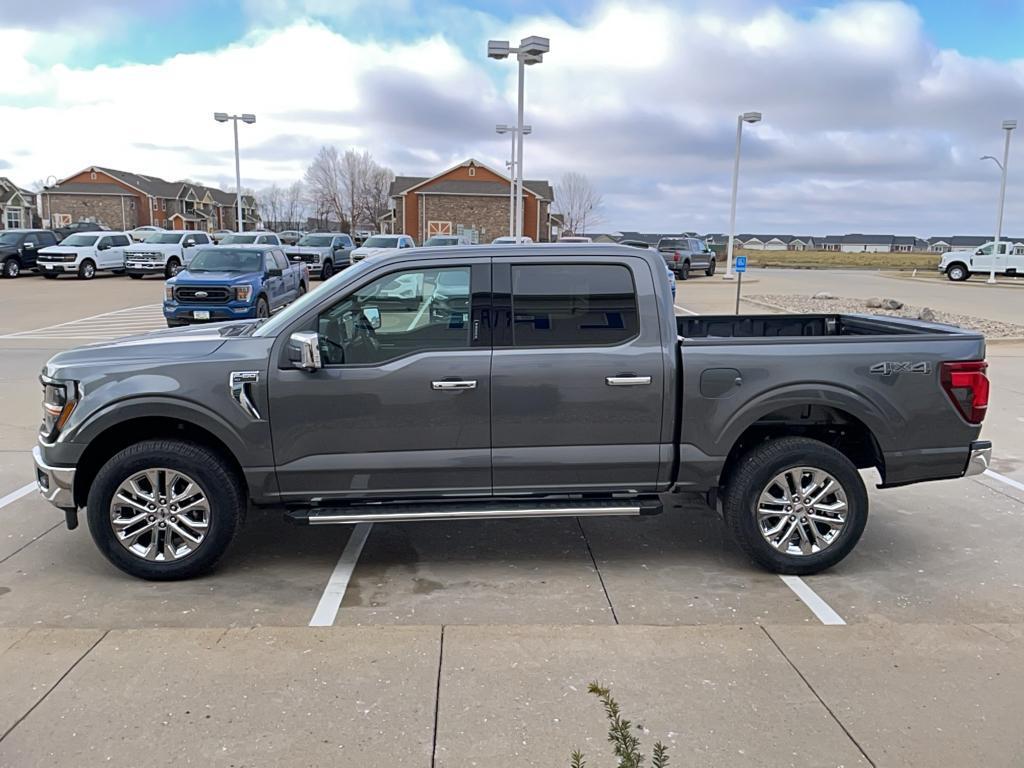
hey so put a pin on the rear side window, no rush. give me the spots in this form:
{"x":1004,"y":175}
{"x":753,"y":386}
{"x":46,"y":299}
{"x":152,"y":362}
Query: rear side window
{"x":573,"y":305}
{"x":282,"y":262}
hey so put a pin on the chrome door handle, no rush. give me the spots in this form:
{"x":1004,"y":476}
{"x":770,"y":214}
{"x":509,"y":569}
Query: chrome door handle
{"x":627,"y":381}
{"x":461,"y":384}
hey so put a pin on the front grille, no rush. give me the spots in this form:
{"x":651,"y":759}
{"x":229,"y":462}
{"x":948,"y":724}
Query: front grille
{"x":213,"y":294}
{"x":136,"y":255}
{"x":44,"y":257}
{"x":309,"y":258}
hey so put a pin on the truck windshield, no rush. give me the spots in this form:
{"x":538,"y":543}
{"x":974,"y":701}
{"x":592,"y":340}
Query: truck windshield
{"x":378,"y":241}
{"x":316,"y":241}
{"x":226,"y":260}
{"x":79,"y":240}
{"x":671,"y":244}
{"x":239,"y":239}
{"x":10,"y":238}
{"x":164,"y":238}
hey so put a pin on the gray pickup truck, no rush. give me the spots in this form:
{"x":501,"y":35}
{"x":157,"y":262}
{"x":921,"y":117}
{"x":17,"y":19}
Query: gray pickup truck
{"x":504,"y":382}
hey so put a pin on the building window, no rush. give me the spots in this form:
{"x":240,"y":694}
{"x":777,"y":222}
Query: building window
{"x":12,"y":218}
{"x":154,"y":203}
{"x":92,"y":176}
{"x":472,"y":171}
{"x":438,"y":228}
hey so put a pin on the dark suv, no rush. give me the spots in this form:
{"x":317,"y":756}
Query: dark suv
{"x":683,"y":254}
{"x":78,"y":226}
{"x":18,"y":249}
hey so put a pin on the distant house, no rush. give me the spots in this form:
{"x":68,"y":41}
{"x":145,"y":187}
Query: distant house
{"x":17,"y":205}
{"x":775,"y":242}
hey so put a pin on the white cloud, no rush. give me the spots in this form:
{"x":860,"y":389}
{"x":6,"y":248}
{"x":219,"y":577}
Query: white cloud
{"x":867,"y":125}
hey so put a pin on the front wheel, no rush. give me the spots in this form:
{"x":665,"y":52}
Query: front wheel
{"x":795,"y":505}
{"x":173,"y":267}
{"x":262,"y":308}
{"x":164,"y":509}
{"x":12,"y":268}
{"x":711,"y":268}
{"x":86,"y":270}
{"x":957,"y":273}
{"x":327,"y":270}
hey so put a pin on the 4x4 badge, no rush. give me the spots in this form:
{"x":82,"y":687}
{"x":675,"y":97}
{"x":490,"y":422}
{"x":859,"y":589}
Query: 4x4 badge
{"x":889,"y":368}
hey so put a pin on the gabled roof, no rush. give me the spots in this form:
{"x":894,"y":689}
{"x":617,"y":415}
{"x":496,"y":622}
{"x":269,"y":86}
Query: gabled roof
{"x":9,"y":190}
{"x":403,"y":184}
{"x":859,"y":239}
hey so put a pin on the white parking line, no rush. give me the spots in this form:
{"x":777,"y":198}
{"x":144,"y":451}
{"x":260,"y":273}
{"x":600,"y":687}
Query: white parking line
{"x":13,"y":496}
{"x":327,"y":610}
{"x":684,"y":309}
{"x":813,"y":600}
{"x":1004,"y":479}
{"x":109,"y":325}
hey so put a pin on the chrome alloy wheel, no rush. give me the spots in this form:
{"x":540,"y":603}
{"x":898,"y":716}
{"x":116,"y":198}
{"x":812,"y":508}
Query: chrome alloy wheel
{"x":160,"y":515}
{"x":802,"y":511}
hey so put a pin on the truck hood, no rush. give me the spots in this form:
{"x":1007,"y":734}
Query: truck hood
{"x":213,"y":278}
{"x":368,"y":252}
{"x":151,"y":247}
{"x":65,"y":250}
{"x":323,"y":250}
{"x":170,"y":345}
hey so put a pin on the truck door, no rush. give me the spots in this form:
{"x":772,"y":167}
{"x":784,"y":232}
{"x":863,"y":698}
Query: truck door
{"x":578,"y":375}
{"x":273,"y":285}
{"x":401,"y":404}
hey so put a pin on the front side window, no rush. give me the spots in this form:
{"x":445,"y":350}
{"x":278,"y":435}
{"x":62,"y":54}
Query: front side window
{"x":573,"y":305}
{"x":396,"y":315}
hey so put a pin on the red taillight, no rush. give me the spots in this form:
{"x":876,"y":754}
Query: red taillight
{"x":967,"y":386}
{"x":675,"y":256}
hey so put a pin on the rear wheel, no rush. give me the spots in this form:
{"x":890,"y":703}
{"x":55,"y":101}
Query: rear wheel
{"x":796,"y":505}
{"x":957,"y":272}
{"x":711,"y":268}
{"x":12,"y":268}
{"x":173,"y":267}
{"x":327,"y":270}
{"x":684,"y":271}
{"x":164,"y":509}
{"x":86,"y":270}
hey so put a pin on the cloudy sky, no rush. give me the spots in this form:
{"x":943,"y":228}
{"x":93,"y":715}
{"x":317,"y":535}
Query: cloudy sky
{"x":875,"y":113}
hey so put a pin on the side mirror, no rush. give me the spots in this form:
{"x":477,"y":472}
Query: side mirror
{"x":372,"y":315}
{"x":189,"y":243}
{"x":304,"y":351}
{"x":274,"y":273}
{"x":979,"y":252}
{"x":30,"y":246}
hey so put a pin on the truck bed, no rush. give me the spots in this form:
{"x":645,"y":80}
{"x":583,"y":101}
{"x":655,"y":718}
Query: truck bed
{"x":710,"y":327}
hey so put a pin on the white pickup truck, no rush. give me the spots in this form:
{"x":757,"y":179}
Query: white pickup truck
{"x":164,"y":253}
{"x":84,"y":254}
{"x":960,"y":265}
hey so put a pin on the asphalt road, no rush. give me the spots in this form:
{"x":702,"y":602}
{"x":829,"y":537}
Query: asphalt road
{"x":472,"y":643}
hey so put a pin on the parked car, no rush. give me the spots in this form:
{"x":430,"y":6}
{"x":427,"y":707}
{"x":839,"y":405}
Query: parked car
{"x":290,"y":236}
{"x":139,"y":234}
{"x":446,"y":240}
{"x":163,"y":253}
{"x":250,"y":238}
{"x":357,"y":405}
{"x":511,"y":240}
{"x":79,"y":226}
{"x":18,"y":249}
{"x":84,"y":254}
{"x":322,"y":253}
{"x":575,"y":239}
{"x":380,"y":245}
{"x":648,"y":246}
{"x":961,"y":265}
{"x":685,"y":254}
{"x":232,"y":282}
{"x":220,"y":234}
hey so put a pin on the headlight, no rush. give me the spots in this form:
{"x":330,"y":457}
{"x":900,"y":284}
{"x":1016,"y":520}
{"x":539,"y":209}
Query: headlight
{"x":59,"y":400}
{"x":243,"y":292}
{"x":168,"y":292}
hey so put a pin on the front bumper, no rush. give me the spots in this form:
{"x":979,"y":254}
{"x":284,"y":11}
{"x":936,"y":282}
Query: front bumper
{"x":979,"y":459}
{"x":56,"y":484}
{"x":56,"y":267}
{"x":186,"y":313}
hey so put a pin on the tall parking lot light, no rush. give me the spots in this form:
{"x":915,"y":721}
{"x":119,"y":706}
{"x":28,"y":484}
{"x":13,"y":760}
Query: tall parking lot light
{"x":746,"y":117}
{"x":1008,"y":126}
{"x":531,"y":50}
{"x":223,"y":117}
{"x":511,"y":165}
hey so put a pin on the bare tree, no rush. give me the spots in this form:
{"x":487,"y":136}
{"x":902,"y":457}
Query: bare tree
{"x":325,"y":184}
{"x":578,"y":202}
{"x":294,"y":204}
{"x":270,"y":202}
{"x":375,"y":197}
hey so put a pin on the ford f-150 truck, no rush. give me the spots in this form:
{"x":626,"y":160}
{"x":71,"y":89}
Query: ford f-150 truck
{"x":233,"y":282}
{"x":504,"y":381}
{"x":163,"y":253}
{"x":323,"y":252}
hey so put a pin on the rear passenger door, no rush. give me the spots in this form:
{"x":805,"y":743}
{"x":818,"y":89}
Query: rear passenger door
{"x":578,"y":376}
{"x":273,"y":284}
{"x":290,"y":277}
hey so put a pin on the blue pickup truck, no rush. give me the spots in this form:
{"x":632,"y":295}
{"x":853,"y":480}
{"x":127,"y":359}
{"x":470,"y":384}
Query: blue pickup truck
{"x":232,"y":283}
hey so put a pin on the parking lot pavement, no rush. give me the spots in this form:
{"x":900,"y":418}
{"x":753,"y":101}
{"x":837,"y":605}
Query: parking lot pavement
{"x":106,"y":325}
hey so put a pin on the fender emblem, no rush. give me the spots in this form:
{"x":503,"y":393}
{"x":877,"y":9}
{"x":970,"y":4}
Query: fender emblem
{"x":889,"y":368}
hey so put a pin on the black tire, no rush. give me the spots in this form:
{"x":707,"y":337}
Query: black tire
{"x":684,"y":271}
{"x":209,"y":470}
{"x":752,"y":474}
{"x":262,"y":307}
{"x":711,"y":268}
{"x":327,"y":270}
{"x":957,"y":272}
{"x":302,"y":289}
{"x":172,"y":268}
{"x":86,"y":270}
{"x":12,"y":268}
{"x":133,"y":276}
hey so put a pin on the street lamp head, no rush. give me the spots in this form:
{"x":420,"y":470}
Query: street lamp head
{"x":250,"y":119}
{"x":220,"y":117}
{"x":532,"y":58}
{"x":751,"y":117}
{"x":527,"y":130}
{"x":1009,"y":125}
{"x":534,"y":45}
{"x":502,"y":128}
{"x":498,"y":49}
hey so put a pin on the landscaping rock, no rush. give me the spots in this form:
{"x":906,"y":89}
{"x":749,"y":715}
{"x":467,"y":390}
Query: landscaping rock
{"x":891,"y":304}
{"x":824,"y":295}
{"x":873,"y":303}
{"x":927,"y":314}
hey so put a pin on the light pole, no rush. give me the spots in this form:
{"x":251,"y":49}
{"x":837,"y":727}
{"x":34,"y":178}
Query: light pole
{"x":746,"y":117}
{"x":1008,"y":126}
{"x":223,"y":117}
{"x":511,"y":165}
{"x":531,"y":50}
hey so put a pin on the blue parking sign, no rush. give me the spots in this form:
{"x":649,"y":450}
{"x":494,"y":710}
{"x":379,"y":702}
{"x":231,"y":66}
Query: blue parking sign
{"x":740,"y":264}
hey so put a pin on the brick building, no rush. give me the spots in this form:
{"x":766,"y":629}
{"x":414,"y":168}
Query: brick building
{"x":124,"y":200}
{"x":469,"y":199}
